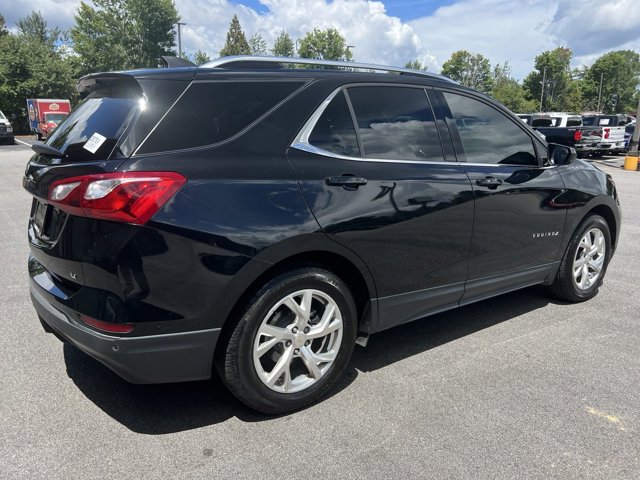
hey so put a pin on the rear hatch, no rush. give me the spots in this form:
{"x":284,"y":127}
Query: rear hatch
{"x":116,"y":113}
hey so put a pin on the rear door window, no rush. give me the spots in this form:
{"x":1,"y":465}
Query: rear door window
{"x":395,"y":123}
{"x":211,"y":112}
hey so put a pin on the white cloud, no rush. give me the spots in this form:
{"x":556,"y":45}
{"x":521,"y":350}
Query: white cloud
{"x":376,"y":36}
{"x":499,"y":29}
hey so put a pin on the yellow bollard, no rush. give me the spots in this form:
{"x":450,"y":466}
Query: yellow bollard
{"x":631,"y":163}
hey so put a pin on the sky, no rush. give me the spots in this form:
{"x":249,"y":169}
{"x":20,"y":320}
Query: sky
{"x":394,"y":32}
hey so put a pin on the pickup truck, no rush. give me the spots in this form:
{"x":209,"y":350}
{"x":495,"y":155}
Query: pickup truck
{"x":609,"y":134}
{"x":580,"y":138}
{"x":6,"y":130}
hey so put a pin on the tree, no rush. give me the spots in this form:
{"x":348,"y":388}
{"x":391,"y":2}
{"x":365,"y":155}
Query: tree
{"x":553,"y":66}
{"x":3,"y":27}
{"x":236,"y":41}
{"x":470,"y":70}
{"x":35,"y":27}
{"x":200,"y":58}
{"x":283,"y":46}
{"x":31,"y":68}
{"x":620,"y":73}
{"x":124,"y":34}
{"x":324,"y":45}
{"x":508,"y":91}
{"x":258,"y":45}
{"x":415,"y":65}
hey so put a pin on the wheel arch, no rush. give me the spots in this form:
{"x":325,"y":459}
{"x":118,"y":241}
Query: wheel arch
{"x":355,"y":275}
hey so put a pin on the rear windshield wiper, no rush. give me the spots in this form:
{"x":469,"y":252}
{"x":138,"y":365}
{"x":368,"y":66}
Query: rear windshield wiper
{"x":44,"y":149}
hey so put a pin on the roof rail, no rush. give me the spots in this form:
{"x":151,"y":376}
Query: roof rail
{"x":256,"y":61}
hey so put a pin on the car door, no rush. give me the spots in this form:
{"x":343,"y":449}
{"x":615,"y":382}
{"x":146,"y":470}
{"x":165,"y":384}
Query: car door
{"x":517,"y":226}
{"x":372,"y":169}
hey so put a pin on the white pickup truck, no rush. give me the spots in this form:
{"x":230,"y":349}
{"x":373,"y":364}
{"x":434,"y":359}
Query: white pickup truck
{"x":608,"y":137}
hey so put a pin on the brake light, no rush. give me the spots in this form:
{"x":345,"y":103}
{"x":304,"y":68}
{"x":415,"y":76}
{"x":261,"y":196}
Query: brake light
{"x":577,"y":135}
{"x":107,"y":326}
{"x":607,"y":131}
{"x":130,"y":197}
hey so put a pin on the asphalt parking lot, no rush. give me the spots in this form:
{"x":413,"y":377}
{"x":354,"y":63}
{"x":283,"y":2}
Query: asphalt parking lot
{"x":519,"y":386}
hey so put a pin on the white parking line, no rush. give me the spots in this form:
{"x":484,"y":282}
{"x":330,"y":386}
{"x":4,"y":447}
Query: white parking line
{"x":22,"y":143}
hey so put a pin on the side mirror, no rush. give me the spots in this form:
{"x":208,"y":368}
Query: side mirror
{"x":561,"y":154}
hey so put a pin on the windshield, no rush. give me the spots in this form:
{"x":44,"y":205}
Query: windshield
{"x":54,"y":117}
{"x":93,"y":128}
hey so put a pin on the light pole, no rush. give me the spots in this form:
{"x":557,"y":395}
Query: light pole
{"x":180,"y":39}
{"x":544,"y":77}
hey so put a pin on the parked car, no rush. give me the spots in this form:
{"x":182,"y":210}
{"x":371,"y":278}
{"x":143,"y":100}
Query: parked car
{"x":310,"y":210}
{"x":6,"y":130}
{"x":609,"y":138}
{"x":579,"y":138}
{"x":46,"y":114}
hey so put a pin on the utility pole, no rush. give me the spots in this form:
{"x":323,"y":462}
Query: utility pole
{"x":633,"y":144}
{"x":179,"y":39}
{"x":544,"y":78}
{"x":600,"y":91}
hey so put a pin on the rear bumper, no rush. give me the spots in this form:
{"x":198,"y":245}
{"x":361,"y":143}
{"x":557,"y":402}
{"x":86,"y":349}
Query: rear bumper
{"x":175,"y":357}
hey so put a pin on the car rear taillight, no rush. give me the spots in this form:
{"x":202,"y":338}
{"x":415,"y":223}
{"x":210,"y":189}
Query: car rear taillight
{"x":106,"y":326}
{"x":130,"y":197}
{"x":577,"y":136}
{"x":607,"y":131}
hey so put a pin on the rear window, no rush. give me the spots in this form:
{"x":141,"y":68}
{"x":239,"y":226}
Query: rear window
{"x":92,"y":130}
{"x":211,"y":112}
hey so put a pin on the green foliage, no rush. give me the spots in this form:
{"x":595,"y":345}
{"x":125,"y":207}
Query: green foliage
{"x":470,"y":70}
{"x":35,"y":28}
{"x":236,"y":41}
{"x":32,"y":68}
{"x":200,"y":58}
{"x":553,"y":66}
{"x":620,"y":71}
{"x":324,"y":45}
{"x":283,"y":46}
{"x":415,"y":65}
{"x":508,"y":91}
{"x":123,"y":34}
{"x":258,"y":45}
{"x":3,"y":27}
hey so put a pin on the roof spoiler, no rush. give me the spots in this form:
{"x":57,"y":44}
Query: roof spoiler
{"x":171,"y":62}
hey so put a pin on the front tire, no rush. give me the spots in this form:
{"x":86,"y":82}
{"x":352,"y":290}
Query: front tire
{"x":292,"y":343}
{"x":585,"y":262}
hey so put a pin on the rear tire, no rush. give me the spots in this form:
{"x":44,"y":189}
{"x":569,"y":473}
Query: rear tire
{"x":292,"y":343}
{"x":585,"y":262}
{"x":597,"y":154}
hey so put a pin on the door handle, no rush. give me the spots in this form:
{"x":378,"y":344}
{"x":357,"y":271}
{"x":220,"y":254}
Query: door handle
{"x":490,"y":182}
{"x":349,"y":182}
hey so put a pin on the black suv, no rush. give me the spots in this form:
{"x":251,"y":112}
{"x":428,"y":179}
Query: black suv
{"x":259,"y":220}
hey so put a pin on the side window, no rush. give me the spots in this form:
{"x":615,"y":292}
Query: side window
{"x":395,"y":123}
{"x":488,"y":136}
{"x":334,"y":130}
{"x":211,"y":112}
